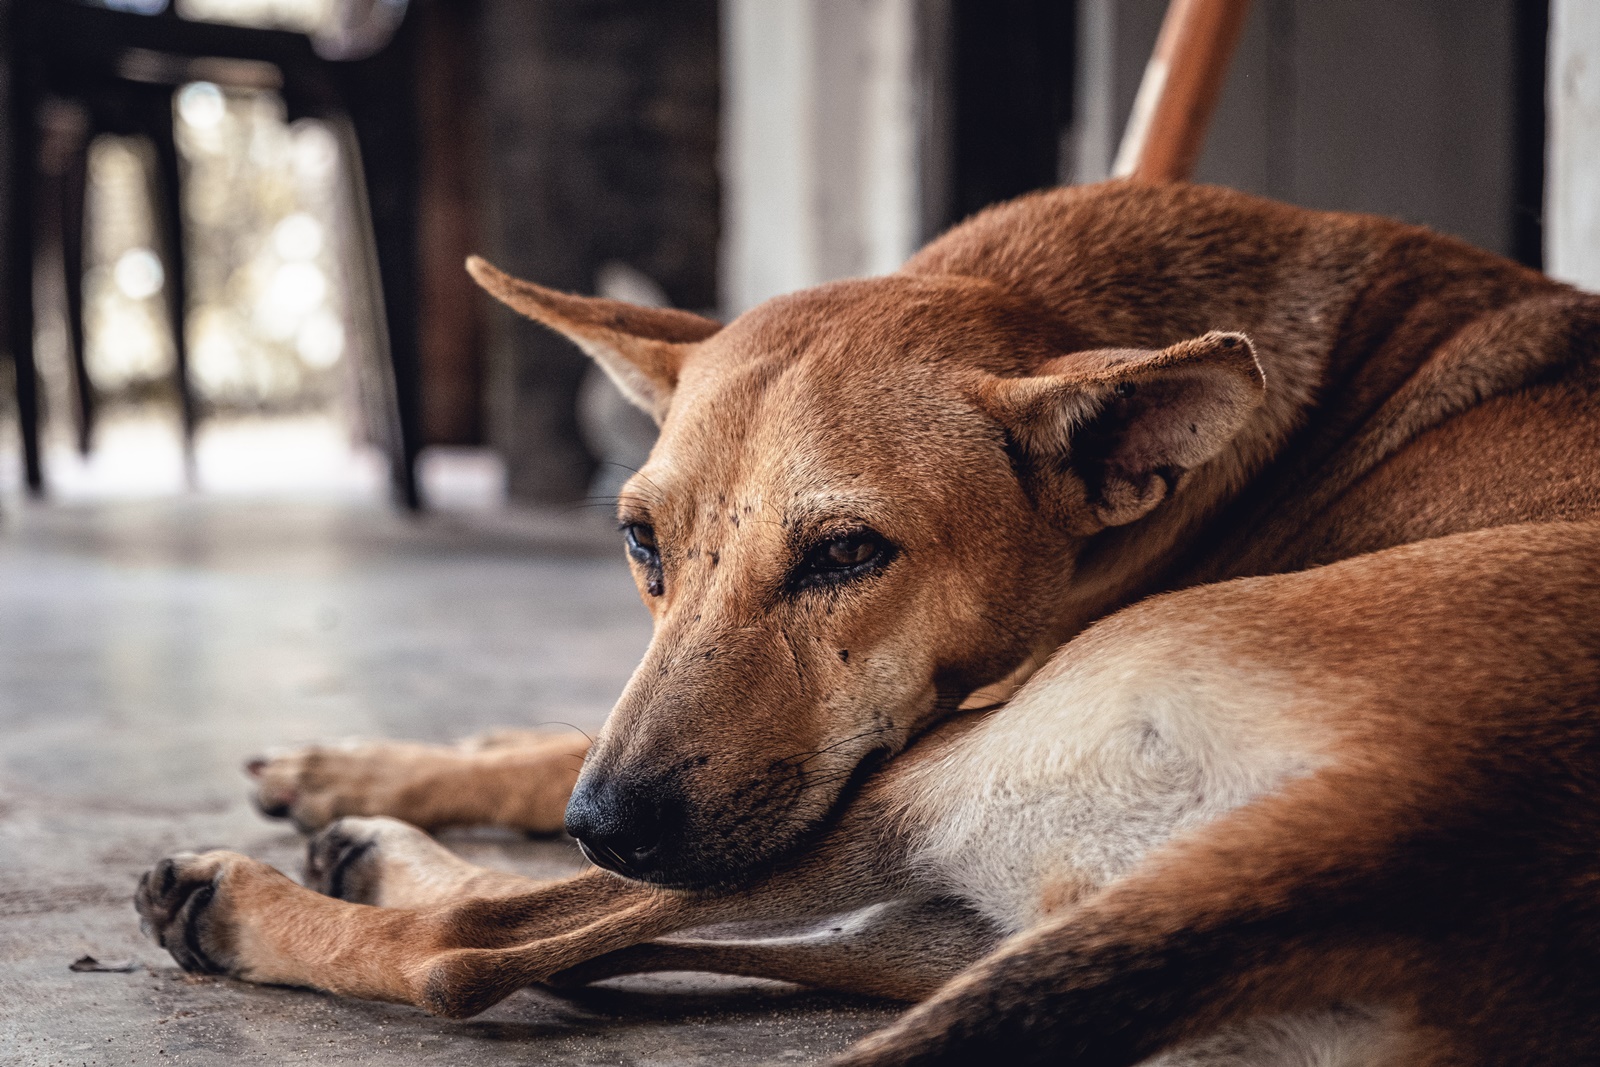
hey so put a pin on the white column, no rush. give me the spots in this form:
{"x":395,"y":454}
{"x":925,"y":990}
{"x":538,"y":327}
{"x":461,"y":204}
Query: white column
{"x":1572,"y":183}
{"x":821,"y":143}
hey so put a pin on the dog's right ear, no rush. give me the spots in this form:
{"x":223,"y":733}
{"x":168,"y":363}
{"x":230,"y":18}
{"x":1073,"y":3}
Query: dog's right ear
{"x":1101,"y":438}
{"x":640,"y":348}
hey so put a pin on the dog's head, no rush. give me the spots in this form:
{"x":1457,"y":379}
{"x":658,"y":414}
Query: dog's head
{"x":866,"y":503}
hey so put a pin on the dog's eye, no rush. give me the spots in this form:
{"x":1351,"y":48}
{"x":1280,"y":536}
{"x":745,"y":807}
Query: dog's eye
{"x":841,"y":559}
{"x":641,"y":540}
{"x":849,"y":551}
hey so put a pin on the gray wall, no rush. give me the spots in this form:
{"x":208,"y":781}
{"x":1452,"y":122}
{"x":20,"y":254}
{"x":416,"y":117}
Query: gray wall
{"x":1399,"y":107}
{"x":600,"y":132}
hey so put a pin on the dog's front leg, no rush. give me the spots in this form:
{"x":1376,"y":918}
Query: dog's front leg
{"x":901,"y":950}
{"x":858,"y":862}
{"x":517,"y":779}
{"x":224,"y":913}
{"x":391,"y":864}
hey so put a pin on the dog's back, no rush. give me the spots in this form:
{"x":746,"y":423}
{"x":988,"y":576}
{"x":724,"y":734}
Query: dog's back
{"x":1412,"y":377}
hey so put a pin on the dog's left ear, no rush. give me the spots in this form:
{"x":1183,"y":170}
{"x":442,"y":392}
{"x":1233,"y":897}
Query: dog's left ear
{"x":1100,"y":438}
{"x":641,"y":348}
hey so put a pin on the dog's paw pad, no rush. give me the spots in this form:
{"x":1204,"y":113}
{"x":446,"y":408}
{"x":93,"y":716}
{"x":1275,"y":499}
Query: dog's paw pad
{"x":351,"y":858}
{"x":339,"y":861}
{"x":382,"y":861}
{"x":177,"y":901}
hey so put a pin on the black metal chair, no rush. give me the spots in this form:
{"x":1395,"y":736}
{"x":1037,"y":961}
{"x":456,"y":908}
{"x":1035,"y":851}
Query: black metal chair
{"x":122,"y":68}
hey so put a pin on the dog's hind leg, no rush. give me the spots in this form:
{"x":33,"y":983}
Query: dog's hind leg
{"x":901,"y":950}
{"x":518,"y":779}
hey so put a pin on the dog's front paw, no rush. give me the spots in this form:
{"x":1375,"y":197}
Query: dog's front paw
{"x":315,"y":785}
{"x":184,"y":905}
{"x":383,"y":861}
{"x":340,"y":861}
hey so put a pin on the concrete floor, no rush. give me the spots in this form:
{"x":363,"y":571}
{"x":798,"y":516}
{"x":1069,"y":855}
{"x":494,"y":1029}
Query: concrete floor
{"x":146,"y":649}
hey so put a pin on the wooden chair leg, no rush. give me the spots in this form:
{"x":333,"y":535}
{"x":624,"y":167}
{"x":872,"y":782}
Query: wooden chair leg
{"x":1179,"y":92}
{"x":74,"y":192}
{"x":384,"y":124}
{"x":170,"y":219}
{"x":391,"y":194}
{"x":20,"y":249}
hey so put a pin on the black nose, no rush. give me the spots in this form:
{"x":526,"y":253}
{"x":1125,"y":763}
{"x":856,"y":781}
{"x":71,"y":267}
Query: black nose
{"x":620,"y":823}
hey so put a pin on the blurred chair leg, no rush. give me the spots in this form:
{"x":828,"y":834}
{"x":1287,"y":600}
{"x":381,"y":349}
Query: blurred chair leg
{"x":376,"y":96}
{"x":74,"y":191}
{"x":390,"y":170}
{"x":19,"y":263}
{"x":394,"y":234}
{"x":373,"y":297}
{"x":170,"y":212}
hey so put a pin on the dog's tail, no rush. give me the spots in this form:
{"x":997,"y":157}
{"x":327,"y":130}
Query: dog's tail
{"x":1372,"y":882}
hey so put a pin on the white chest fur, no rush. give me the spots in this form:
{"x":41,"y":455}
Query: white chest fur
{"x":1097,"y":761}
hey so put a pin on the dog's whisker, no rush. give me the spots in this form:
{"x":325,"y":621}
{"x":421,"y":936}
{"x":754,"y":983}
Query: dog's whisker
{"x":568,"y":725}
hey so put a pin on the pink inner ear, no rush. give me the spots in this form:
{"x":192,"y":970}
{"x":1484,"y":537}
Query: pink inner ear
{"x":1181,"y":419}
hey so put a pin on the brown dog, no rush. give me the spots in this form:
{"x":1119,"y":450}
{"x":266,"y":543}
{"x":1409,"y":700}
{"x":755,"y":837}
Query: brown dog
{"x":1286,"y":810}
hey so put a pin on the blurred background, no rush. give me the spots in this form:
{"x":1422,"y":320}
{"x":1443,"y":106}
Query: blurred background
{"x":235,"y":228}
